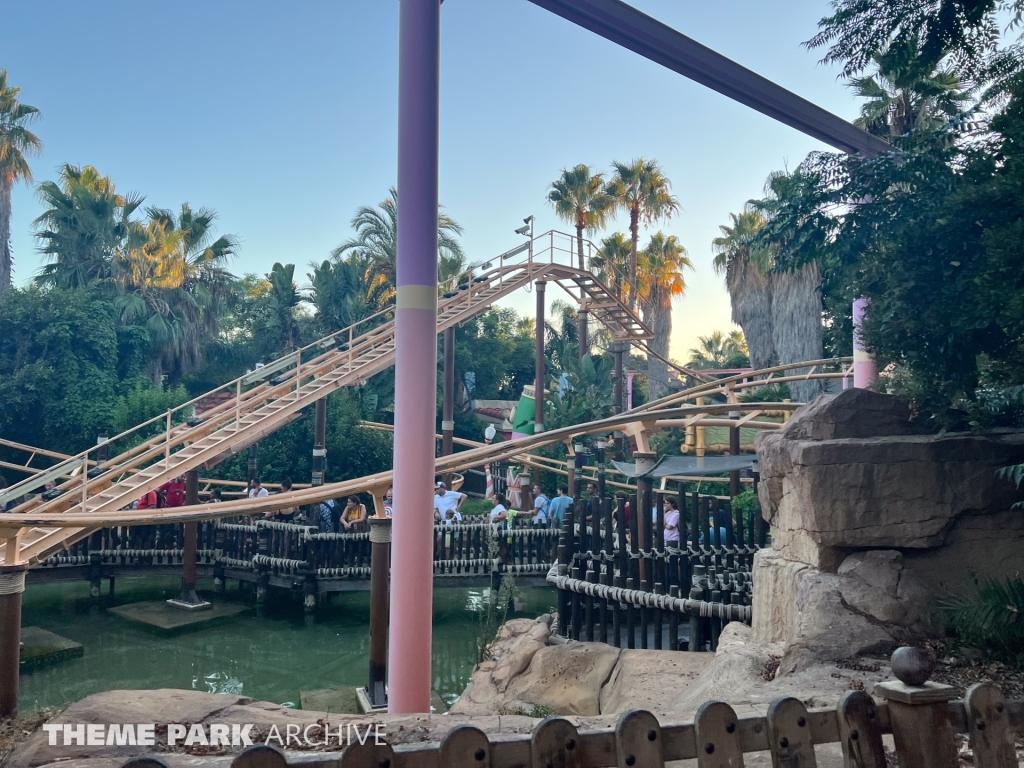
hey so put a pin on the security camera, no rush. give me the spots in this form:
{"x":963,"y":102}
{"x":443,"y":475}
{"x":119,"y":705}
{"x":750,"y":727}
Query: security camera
{"x":525,"y":230}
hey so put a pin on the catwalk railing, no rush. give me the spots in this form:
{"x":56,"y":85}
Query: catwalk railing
{"x":620,"y":582}
{"x":929,"y":729}
{"x":472,"y":548}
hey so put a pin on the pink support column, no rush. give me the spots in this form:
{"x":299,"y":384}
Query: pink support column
{"x":416,"y":357}
{"x":865,"y":372}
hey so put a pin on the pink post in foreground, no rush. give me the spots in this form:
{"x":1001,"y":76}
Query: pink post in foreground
{"x":416,"y":357}
{"x":865,"y":372}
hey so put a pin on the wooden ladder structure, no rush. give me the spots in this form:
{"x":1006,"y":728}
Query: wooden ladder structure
{"x":255,"y":407}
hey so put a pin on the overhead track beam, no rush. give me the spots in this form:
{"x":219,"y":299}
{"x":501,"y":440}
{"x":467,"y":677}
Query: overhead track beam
{"x":623,"y":24}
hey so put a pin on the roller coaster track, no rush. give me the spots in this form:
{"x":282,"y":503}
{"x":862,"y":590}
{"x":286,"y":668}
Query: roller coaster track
{"x":76,"y":523}
{"x":225,"y":421}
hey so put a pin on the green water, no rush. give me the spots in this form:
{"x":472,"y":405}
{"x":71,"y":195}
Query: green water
{"x":271,"y":655}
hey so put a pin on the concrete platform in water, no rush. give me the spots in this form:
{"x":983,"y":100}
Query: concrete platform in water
{"x":41,"y":648}
{"x":158,"y":614}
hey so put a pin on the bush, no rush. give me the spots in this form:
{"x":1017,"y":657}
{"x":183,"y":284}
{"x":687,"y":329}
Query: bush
{"x":991,"y":618}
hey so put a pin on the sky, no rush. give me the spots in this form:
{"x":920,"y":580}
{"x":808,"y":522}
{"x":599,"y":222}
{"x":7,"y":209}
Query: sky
{"x":282,"y":117}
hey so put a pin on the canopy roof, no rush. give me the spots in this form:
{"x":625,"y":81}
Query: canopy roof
{"x":668,"y":466}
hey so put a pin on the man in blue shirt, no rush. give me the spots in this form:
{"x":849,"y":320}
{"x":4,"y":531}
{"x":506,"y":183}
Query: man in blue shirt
{"x":558,"y":505}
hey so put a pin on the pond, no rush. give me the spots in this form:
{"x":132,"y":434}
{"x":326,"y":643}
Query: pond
{"x":272,"y":653}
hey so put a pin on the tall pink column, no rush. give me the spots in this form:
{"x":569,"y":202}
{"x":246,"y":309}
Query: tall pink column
{"x":416,"y":357}
{"x":865,"y":372}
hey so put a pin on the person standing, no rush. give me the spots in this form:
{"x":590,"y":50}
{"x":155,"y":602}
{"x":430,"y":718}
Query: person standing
{"x":286,"y":515}
{"x":671,"y":521}
{"x":174,"y":492}
{"x":558,"y":506}
{"x":445,"y":500}
{"x":540,"y":508}
{"x":389,"y":502}
{"x":257,"y":491}
{"x":327,"y":507}
{"x":593,"y":509}
{"x":353,"y":516}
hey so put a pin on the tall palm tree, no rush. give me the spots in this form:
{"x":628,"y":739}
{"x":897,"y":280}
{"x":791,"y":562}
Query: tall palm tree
{"x":199,"y":258}
{"x":17,"y":143}
{"x":611,"y":262}
{"x":580,"y":199}
{"x":745,"y":265}
{"x":640,"y":188}
{"x":376,"y":246}
{"x":797,"y":325}
{"x":907,"y":93}
{"x":660,"y":281}
{"x":338,"y":290}
{"x":84,"y":224}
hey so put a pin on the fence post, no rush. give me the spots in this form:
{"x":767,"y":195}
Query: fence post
{"x":918,"y":712}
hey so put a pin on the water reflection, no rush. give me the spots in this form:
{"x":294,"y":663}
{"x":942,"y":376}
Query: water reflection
{"x":274,"y":656}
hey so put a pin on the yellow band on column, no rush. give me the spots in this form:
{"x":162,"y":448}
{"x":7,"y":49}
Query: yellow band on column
{"x":416,"y":297}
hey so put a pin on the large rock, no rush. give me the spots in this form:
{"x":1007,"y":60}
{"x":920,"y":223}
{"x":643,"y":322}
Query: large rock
{"x":847,"y":472}
{"x":804,"y":610}
{"x":565,"y":678}
{"x":650,"y":680}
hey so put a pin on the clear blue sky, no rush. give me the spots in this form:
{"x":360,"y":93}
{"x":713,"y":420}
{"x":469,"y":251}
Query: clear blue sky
{"x":282,"y":116}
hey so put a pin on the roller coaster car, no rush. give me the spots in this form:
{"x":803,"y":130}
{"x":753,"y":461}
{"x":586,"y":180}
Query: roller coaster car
{"x":463,"y":286}
{"x":450,"y":294}
{"x":277,"y":380}
{"x":51,"y":494}
{"x":96,"y":472}
{"x":195,"y":421}
{"x":479,"y":279}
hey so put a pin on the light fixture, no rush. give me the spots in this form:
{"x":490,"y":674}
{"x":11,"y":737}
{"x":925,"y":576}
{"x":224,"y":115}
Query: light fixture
{"x":599,"y":443}
{"x":490,"y":432}
{"x":577,"y":447}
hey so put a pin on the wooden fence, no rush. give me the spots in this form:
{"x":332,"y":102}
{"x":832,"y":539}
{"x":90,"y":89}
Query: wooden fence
{"x":924,"y":722}
{"x":472,"y":548}
{"x":624,"y":585}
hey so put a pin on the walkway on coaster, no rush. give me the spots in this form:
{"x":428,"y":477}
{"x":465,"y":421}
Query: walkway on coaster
{"x":251,"y":407}
{"x":55,"y":525}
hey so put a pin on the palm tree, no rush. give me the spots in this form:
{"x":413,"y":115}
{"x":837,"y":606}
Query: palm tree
{"x":199,"y":259}
{"x":580,"y":199}
{"x":640,"y":188}
{"x":338,"y":290}
{"x":16,"y":143}
{"x":283,"y":301}
{"x":797,"y":326}
{"x":745,"y":265}
{"x":906,"y":93}
{"x":611,"y":262}
{"x":376,"y":247}
{"x":660,"y":280}
{"x":83,"y":226}
{"x":719,"y":351}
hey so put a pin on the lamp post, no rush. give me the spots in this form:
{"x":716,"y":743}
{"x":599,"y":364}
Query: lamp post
{"x":599,"y":446}
{"x":489,"y":434}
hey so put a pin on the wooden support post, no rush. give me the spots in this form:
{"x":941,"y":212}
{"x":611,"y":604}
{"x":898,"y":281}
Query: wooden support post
{"x":581,"y":319}
{"x":570,"y":470}
{"x":380,"y":567}
{"x":448,"y":399}
{"x":919,"y":712}
{"x":539,"y":375}
{"x":253,"y":465}
{"x":319,"y":456}
{"x":12,"y":587}
{"x":188,"y":597}
{"x":734,"y":450}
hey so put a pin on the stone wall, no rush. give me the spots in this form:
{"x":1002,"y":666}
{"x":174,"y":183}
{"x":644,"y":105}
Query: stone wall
{"x":871,"y":521}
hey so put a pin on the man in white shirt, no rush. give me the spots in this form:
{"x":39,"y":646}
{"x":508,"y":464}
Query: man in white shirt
{"x":445,"y":500}
{"x":257,"y":491}
{"x":540,"y":508}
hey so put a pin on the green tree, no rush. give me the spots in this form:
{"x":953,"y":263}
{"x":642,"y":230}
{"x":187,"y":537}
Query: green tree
{"x":282,"y":303}
{"x":660,"y":281}
{"x":611,"y":262}
{"x":375,"y":248}
{"x":17,"y":143}
{"x":580,"y":199}
{"x":640,"y":188}
{"x":84,"y":224}
{"x":339,"y":292}
{"x":719,"y":351}
{"x":905,"y":94}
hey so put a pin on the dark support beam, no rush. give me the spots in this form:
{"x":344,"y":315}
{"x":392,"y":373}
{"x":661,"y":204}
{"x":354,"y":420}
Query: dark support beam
{"x":12,"y":587}
{"x":448,"y":399}
{"x":253,"y":460}
{"x":188,"y":597}
{"x":380,"y":566}
{"x":734,"y":450}
{"x":581,"y":318}
{"x":623,"y":24}
{"x":319,"y":453}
